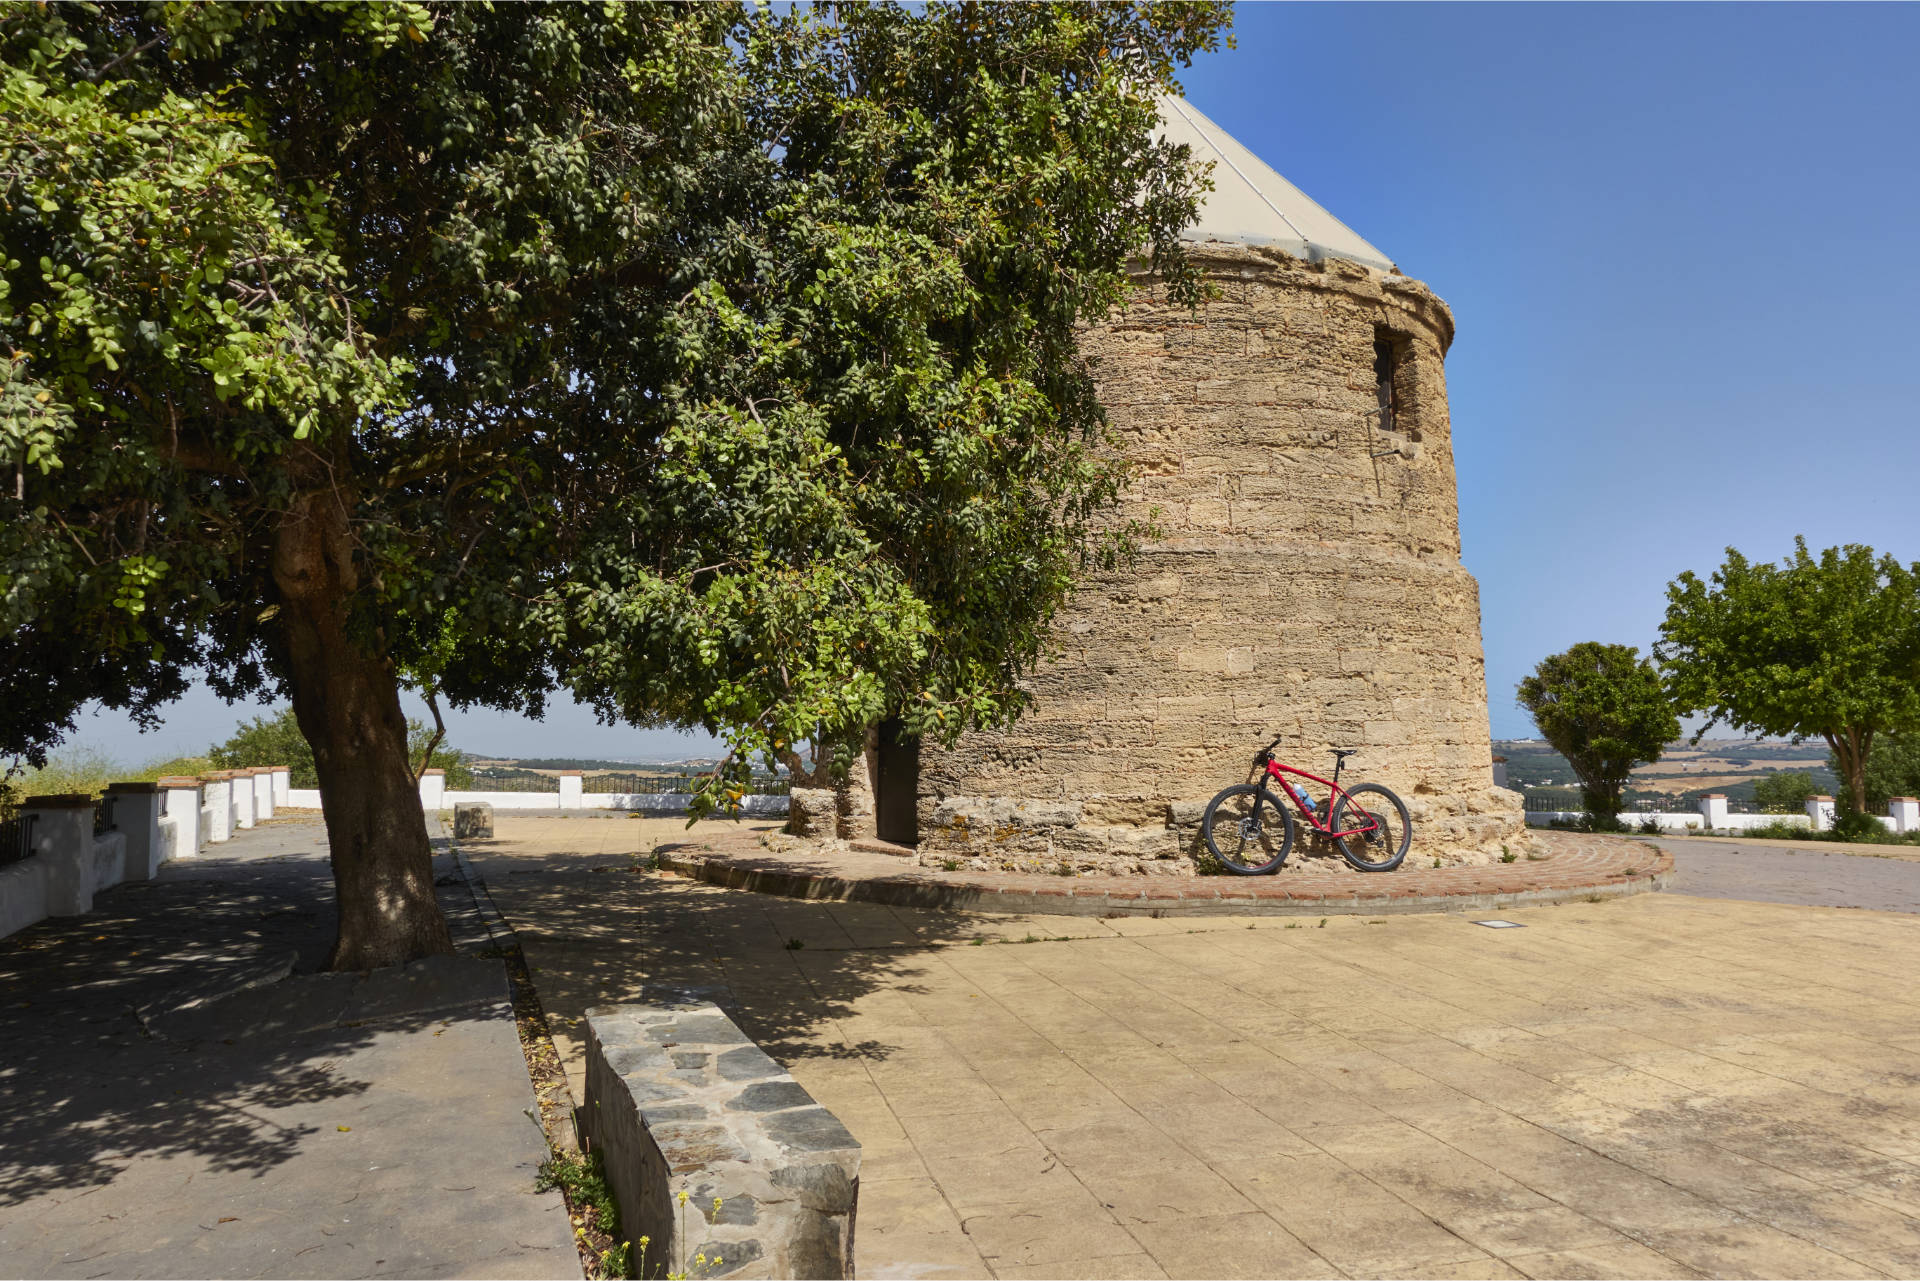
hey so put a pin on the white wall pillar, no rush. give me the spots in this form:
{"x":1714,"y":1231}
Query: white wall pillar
{"x":136,"y":816}
{"x":433,"y":790}
{"x":1820,"y":810}
{"x":218,"y":797}
{"x":1713,"y":811}
{"x":63,"y":840}
{"x":242,"y":799}
{"x":262,"y":794}
{"x":183,"y":807}
{"x":570,"y":790}
{"x":282,"y":786}
{"x":1905,"y":811}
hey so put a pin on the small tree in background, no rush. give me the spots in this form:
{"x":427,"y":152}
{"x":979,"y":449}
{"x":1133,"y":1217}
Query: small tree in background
{"x":1784,"y":792}
{"x":1604,"y":709}
{"x":1826,"y":648}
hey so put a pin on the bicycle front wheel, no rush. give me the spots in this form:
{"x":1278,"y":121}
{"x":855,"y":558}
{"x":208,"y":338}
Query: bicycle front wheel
{"x":1248,"y":830}
{"x":1387,"y":829}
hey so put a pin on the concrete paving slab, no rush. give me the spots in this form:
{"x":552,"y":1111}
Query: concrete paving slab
{"x":1628,"y":1088}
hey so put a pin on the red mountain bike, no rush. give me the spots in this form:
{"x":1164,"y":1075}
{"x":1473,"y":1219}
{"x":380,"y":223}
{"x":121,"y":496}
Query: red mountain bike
{"x":1251,"y":832}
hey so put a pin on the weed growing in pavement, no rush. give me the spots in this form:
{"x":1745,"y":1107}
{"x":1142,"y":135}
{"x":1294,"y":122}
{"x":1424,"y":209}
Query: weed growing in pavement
{"x":582,"y":1179}
{"x":1507,"y":855}
{"x":949,"y":864}
{"x":1436,"y":862}
{"x":1323,"y":922}
{"x":1596,"y":898}
{"x":977,"y":941}
{"x":1293,"y":925}
{"x":794,"y":945}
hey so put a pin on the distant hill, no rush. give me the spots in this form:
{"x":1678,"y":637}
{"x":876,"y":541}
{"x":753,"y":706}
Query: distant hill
{"x":558,"y":763}
{"x":1726,"y":765}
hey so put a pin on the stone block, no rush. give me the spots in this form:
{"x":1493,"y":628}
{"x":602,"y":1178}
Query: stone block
{"x":713,"y":1151}
{"x":812,"y":811}
{"x":472,"y":819}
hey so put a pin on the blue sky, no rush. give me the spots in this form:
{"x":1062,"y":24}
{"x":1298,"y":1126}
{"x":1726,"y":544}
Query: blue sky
{"x":1679,"y":243}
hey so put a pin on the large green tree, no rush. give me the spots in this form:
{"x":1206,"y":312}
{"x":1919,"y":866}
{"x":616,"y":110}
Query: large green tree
{"x":718,"y":364}
{"x":1826,"y":648}
{"x":1604,"y":709}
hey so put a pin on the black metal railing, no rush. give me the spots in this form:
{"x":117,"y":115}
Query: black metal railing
{"x":16,"y":838}
{"x":103,"y":815}
{"x":1569,"y":802}
{"x":511,"y":780}
{"x":647,"y":784}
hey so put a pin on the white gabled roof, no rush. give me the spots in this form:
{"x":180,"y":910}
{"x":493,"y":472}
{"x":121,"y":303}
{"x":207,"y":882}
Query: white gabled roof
{"x":1250,"y":204}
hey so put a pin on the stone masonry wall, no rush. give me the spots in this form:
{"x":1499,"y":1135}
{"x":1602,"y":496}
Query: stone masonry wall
{"x":1303,"y":586}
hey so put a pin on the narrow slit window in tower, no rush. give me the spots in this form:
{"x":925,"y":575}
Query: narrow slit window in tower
{"x":1392,"y":381}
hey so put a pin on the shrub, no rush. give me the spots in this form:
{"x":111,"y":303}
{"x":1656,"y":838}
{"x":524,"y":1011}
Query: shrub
{"x":1852,"y":825}
{"x":82,"y":769}
{"x":183,"y":766}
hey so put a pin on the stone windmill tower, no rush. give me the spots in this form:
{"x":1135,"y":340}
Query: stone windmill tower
{"x":1292,"y":437}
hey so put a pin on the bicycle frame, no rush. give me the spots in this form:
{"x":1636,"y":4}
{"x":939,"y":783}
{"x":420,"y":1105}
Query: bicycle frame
{"x":1276,"y":770}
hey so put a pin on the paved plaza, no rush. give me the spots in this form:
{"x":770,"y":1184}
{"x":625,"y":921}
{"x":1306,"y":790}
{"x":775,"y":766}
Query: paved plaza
{"x":1662,"y":1085}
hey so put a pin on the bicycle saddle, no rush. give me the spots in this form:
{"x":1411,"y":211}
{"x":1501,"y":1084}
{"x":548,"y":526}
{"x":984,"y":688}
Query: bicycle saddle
{"x":1344,"y":752}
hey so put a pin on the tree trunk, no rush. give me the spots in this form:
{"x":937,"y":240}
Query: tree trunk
{"x":346,"y":697}
{"x":1850,"y":748}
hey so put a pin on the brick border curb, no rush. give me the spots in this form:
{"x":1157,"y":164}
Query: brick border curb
{"x":1612,"y":868}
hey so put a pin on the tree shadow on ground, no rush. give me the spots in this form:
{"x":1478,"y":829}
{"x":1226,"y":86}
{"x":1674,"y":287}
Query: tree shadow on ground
{"x":606,"y":928}
{"x":122,"y":1039}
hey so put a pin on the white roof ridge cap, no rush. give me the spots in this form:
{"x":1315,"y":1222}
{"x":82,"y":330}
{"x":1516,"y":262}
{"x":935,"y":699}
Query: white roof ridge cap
{"x":1183,"y":107}
{"x":1208,"y":133}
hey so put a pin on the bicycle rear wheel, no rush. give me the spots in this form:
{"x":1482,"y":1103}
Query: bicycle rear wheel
{"x":1248,"y":830}
{"x":1381,"y":847}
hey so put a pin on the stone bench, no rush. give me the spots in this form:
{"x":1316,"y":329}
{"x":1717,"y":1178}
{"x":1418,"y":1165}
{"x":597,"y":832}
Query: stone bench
{"x":713,"y":1150}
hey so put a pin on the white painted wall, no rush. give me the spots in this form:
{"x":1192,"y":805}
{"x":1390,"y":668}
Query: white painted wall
{"x":23,"y":894}
{"x":1680,"y":822}
{"x":179,"y":819}
{"x":643,"y":802}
